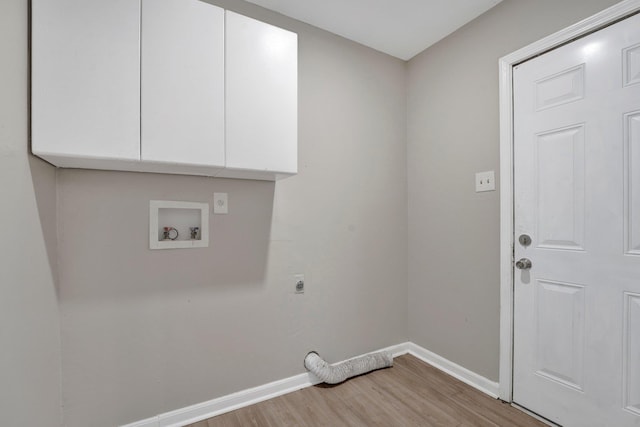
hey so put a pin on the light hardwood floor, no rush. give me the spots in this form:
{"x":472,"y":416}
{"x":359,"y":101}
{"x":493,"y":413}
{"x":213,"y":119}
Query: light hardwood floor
{"x":411,"y":393}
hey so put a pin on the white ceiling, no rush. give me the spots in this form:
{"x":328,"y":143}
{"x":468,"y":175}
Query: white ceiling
{"x":401,"y":28}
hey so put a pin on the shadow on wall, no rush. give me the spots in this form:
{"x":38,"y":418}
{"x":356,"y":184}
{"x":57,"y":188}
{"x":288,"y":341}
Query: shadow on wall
{"x":43,"y":177}
{"x":103,"y":226}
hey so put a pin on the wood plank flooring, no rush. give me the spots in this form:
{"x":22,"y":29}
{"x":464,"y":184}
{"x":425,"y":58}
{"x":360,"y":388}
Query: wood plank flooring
{"x":411,"y":393}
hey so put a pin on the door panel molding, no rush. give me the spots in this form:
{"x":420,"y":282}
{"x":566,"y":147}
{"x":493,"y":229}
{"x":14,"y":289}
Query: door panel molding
{"x":632,"y":192}
{"x":560,"y":88}
{"x":631,"y":344}
{"x":506,"y":64}
{"x":560,"y":188}
{"x":565,"y":330}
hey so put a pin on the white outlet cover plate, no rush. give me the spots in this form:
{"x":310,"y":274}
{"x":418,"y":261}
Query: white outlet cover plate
{"x":220,"y":203}
{"x":485,"y":181}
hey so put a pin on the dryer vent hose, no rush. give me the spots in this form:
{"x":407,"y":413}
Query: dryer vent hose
{"x":339,"y":372}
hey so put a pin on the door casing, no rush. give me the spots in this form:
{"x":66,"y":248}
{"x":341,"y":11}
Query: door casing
{"x":506,"y":63}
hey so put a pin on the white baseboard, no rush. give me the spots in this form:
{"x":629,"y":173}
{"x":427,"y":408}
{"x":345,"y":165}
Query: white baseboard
{"x":202,"y":411}
{"x":149,"y":422}
{"x":476,"y":381}
{"x":231,"y":402}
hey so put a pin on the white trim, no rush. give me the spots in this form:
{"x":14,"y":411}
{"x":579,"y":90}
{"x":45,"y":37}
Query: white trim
{"x":231,"y":402}
{"x":149,"y":422}
{"x":506,"y":63}
{"x":506,"y":232}
{"x":463,"y":374}
{"x":202,"y":411}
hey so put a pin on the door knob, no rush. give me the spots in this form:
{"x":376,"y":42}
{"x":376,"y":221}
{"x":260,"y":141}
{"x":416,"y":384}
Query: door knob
{"x":523,"y":264}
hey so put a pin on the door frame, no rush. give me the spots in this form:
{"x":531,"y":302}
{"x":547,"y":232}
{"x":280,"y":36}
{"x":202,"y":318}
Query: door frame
{"x":506,"y":63}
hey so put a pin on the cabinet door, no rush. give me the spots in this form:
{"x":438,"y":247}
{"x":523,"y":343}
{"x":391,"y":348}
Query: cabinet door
{"x":262,"y":95}
{"x":85,"y":79}
{"x":182,"y":82}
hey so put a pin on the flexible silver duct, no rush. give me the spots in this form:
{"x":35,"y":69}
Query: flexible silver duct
{"x":339,"y":372}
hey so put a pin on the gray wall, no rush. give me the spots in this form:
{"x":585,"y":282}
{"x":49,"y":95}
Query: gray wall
{"x":452,"y":134}
{"x":144,"y":332}
{"x":29,"y":320}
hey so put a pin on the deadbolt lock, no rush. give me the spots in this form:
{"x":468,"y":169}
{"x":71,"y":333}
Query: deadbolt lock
{"x":524,"y":240}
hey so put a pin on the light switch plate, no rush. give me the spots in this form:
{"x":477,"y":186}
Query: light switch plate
{"x":485,"y":181}
{"x":220,"y":203}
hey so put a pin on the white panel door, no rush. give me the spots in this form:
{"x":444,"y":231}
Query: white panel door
{"x":86,"y":79}
{"x":182,"y":82}
{"x":262,"y":96}
{"x":577,"y":195}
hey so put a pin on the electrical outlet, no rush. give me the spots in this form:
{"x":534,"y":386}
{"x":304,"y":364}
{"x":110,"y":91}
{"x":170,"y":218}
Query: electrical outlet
{"x":299,"y":283}
{"x":220,"y":203}
{"x":485,"y":181}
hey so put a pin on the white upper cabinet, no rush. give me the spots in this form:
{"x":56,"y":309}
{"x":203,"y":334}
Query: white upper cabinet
{"x":261,"y":97}
{"x":85,"y":80}
{"x":182,"y":82}
{"x":172,"y":86}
